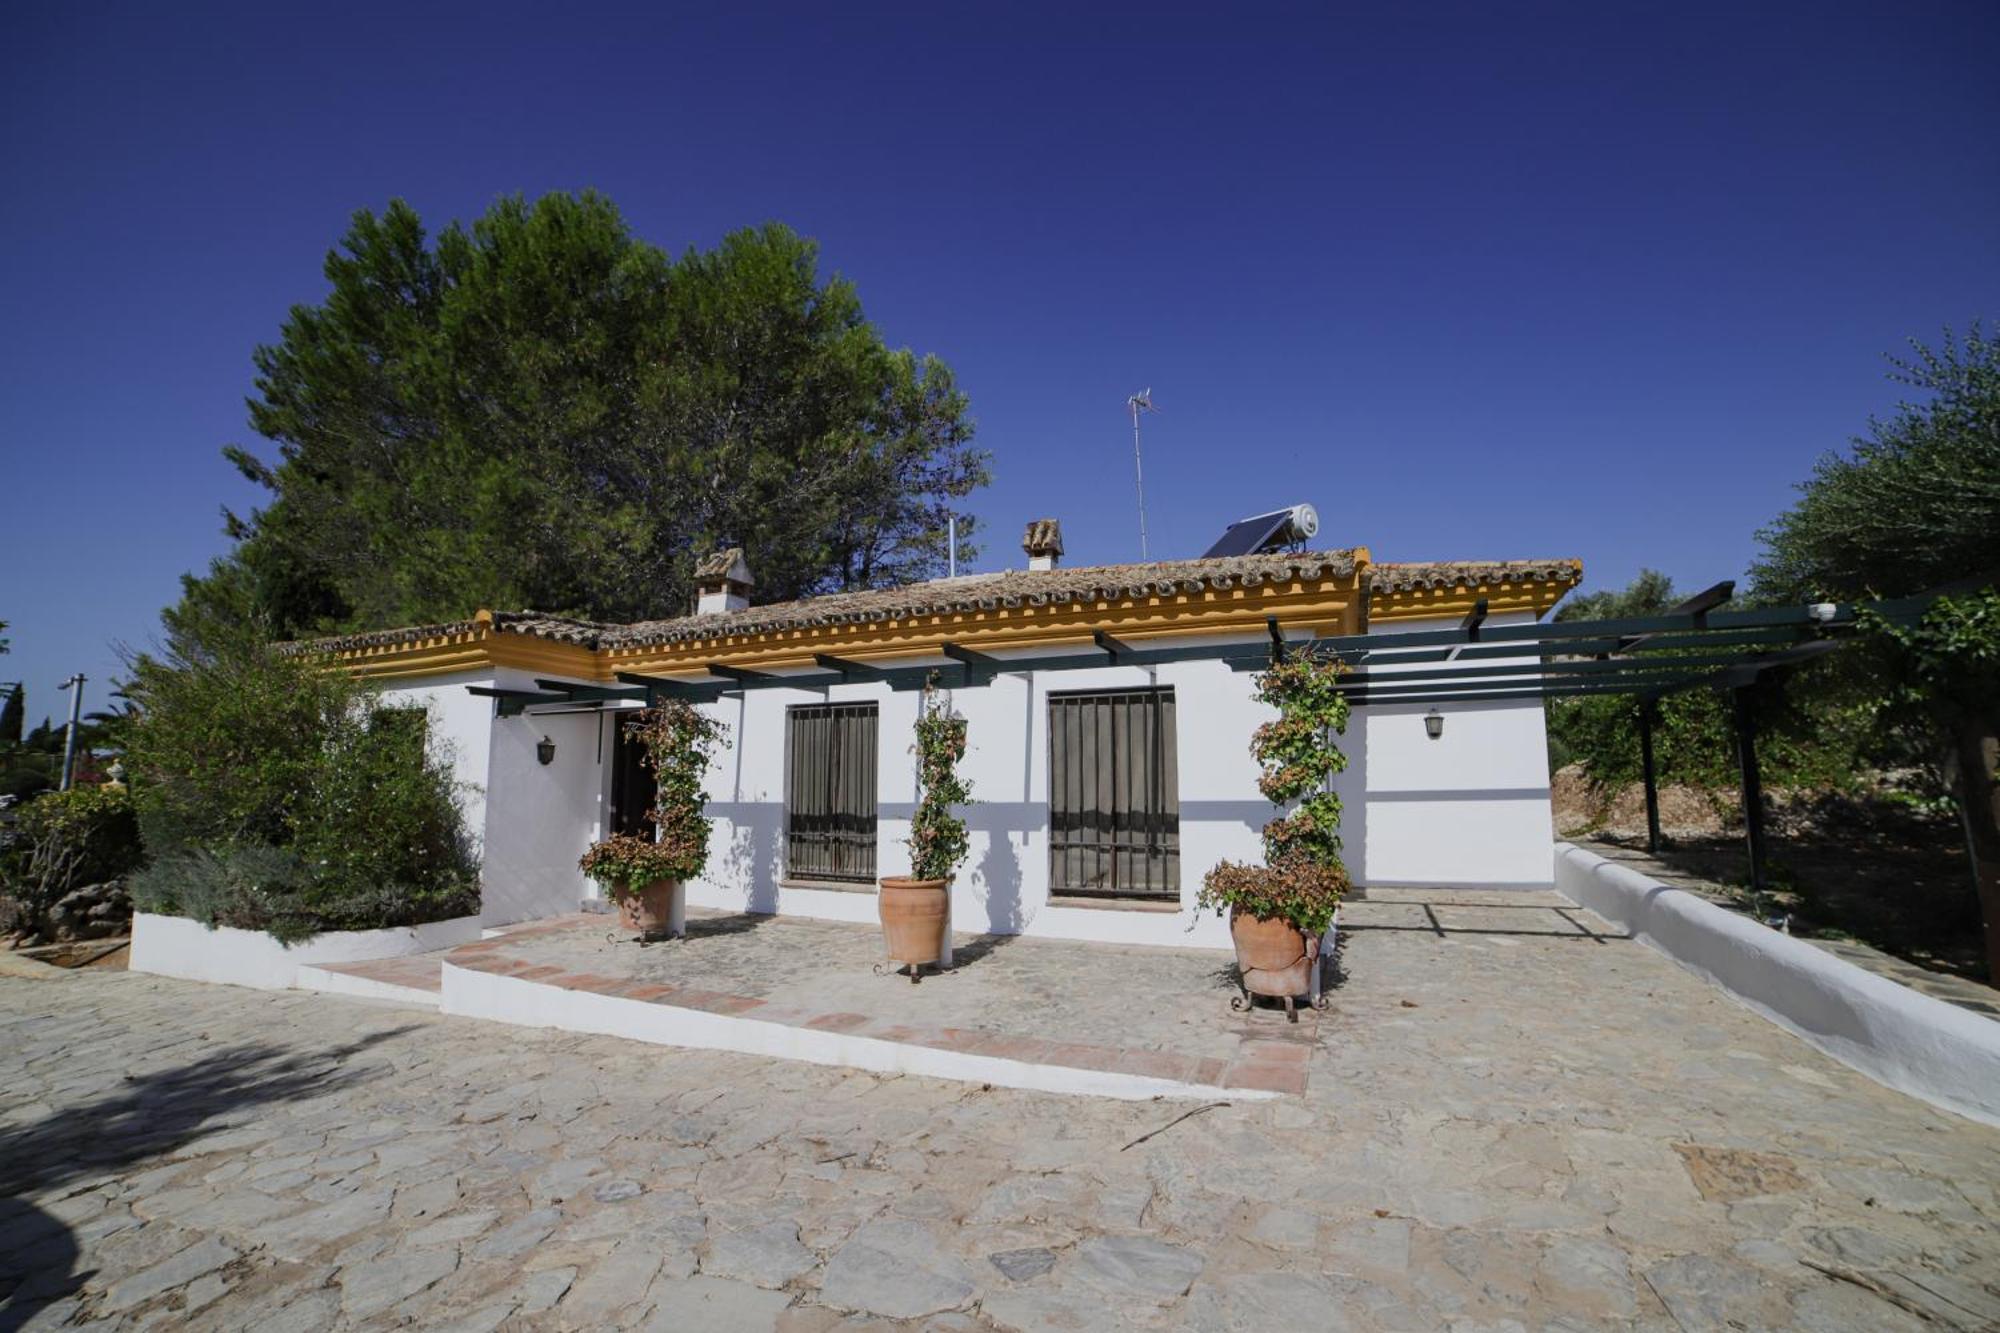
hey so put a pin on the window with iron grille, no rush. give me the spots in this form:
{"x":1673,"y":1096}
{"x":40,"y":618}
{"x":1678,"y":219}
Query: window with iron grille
{"x":1114,"y":794}
{"x":830,"y":792}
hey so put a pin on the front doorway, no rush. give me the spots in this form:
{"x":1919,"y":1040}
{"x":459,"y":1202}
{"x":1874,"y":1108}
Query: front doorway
{"x":632,"y":784}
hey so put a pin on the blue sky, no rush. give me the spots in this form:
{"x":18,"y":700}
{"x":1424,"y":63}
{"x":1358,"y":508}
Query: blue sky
{"x":1487,"y":280}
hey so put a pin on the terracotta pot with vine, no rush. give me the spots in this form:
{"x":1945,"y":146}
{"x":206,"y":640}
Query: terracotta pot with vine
{"x":916,"y":908}
{"x":1280,"y":911}
{"x":645,"y":876}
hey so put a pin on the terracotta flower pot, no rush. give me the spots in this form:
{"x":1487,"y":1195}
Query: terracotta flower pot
{"x":915,"y":916}
{"x":650,"y":909}
{"x":1274,"y":957}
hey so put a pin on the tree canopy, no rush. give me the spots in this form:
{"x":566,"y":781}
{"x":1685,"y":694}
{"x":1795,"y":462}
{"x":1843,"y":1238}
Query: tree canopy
{"x":1916,"y":504}
{"x":543,"y":411}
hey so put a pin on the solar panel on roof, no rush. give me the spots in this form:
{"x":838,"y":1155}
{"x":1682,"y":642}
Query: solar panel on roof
{"x":1248,"y":536}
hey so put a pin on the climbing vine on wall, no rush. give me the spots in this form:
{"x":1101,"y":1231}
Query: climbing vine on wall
{"x":938,"y":841}
{"x":1303,"y":876}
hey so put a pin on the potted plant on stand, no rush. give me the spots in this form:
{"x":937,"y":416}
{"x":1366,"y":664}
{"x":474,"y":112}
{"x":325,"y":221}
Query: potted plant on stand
{"x":1280,"y":911}
{"x":646,"y":876}
{"x":916,"y":909}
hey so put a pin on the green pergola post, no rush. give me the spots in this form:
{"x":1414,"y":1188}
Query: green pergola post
{"x":1649,"y":712}
{"x":1753,"y":786}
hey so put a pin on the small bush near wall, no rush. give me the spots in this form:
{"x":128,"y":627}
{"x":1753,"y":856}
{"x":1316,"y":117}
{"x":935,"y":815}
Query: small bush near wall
{"x":276,"y":794}
{"x":62,"y":871}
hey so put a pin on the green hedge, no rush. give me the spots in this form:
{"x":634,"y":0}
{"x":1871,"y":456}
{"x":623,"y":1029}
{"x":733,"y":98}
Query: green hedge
{"x":276,"y":793}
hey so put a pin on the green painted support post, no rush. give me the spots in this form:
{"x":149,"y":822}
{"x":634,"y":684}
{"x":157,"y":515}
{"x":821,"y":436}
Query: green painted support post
{"x":1648,"y":713}
{"x":1753,"y":787}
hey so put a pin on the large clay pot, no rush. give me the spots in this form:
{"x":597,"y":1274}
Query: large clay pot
{"x":1274,"y":957}
{"x":652,"y":909}
{"x":916,"y":913}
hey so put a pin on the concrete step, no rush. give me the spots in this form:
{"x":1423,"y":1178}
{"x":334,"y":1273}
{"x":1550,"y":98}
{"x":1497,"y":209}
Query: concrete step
{"x":416,"y":979}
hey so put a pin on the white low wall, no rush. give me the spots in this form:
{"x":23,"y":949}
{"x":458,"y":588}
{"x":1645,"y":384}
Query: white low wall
{"x":1948,"y":1056}
{"x":473,"y":994}
{"x":175,"y":946}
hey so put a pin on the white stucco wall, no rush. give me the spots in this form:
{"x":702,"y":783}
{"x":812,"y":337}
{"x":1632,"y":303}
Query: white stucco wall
{"x":174,"y":946}
{"x":1004,"y":886}
{"x":531,"y":821}
{"x":1467,"y":810}
{"x":540,"y":818}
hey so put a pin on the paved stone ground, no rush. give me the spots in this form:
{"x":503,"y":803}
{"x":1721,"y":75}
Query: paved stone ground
{"x":1503,"y":1131}
{"x":1966,"y":994}
{"x":1043,"y":1002}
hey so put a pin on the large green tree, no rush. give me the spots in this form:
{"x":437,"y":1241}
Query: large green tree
{"x":1915,"y":506}
{"x":542,"y":410}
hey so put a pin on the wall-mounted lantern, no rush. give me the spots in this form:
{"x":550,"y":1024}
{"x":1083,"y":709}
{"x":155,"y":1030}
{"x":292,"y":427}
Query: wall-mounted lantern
{"x":1433,"y":724}
{"x":545,"y":750}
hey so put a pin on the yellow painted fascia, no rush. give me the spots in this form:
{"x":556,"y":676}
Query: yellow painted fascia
{"x":1323,"y":606}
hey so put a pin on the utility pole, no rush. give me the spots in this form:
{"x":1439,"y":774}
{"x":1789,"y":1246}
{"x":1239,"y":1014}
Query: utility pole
{"x":75,"y":687}
{"x":1140,"y":402}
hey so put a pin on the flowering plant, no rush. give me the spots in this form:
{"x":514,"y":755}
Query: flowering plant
{"x":1303,"y":878}
{"x":678,"y":742}
{"x":938,"y":842}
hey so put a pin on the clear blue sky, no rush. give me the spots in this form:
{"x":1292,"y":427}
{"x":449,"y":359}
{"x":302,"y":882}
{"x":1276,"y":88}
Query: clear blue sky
{"x":1480,"y":280}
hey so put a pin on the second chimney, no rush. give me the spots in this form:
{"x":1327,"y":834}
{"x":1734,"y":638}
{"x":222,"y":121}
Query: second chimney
{"x":722,"y":583}
{"x":1043,"y":543}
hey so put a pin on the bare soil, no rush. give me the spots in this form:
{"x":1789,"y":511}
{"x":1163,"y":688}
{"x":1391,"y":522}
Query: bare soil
{"x":1867,"y":868}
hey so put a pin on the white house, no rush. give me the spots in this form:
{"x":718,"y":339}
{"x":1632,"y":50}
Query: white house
{"x":1108,"y":777}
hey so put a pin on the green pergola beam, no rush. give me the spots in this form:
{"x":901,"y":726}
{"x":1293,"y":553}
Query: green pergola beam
{"x":1556,"y":660}
{"x":1635,"y":683}
{"x":575,"y":691}
{"x":1531,"y":669}
{"x":1389,"y":654}
{"x":665,"y":687}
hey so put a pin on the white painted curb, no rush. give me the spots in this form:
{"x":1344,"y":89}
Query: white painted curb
{"x":474,"y":994}
{"x":174,"y":946}
{"x":1914,"y":1043}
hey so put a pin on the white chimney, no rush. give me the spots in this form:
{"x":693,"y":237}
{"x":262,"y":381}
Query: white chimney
{"x":722,"y":583}
{"x":1043,"y":543}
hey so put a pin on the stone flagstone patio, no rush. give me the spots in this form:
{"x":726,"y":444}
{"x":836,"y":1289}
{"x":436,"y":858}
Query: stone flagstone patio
{"x":1530,"y":1129}
{"x":1148,"y":1012}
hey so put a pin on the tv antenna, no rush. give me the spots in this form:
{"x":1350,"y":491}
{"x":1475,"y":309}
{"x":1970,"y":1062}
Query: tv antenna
{"x":1141,"y":401}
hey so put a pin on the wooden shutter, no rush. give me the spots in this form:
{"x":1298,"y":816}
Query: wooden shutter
{"x":1114,"y":794}
{"x":830,"y":792}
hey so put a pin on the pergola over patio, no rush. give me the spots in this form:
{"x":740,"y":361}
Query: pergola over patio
{"x":1692,"y":645}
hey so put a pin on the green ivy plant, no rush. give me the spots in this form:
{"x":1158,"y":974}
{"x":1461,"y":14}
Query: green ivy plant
{"x":938,"y":842}
{"x":1303,"y":877}
{"x":678,"y":743}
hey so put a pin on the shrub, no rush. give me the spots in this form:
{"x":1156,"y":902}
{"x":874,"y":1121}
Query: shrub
{"x":275,"y":792}
{"x":64,"y":841}
{"x":678,"y":742}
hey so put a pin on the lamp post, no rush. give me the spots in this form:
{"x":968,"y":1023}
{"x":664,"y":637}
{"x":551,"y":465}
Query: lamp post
{"x":75,"y":687}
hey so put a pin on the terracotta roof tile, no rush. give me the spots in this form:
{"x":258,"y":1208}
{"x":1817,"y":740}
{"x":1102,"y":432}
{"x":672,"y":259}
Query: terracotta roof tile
{"x":1415,"y":576}
{"x":976,"y":592}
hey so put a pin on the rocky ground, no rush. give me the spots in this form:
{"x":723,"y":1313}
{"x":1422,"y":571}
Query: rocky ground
{"x":1502,"y":1131}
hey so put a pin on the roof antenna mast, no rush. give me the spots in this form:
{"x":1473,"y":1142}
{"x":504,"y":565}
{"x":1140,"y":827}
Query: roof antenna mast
{"x":1140,"y":402}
